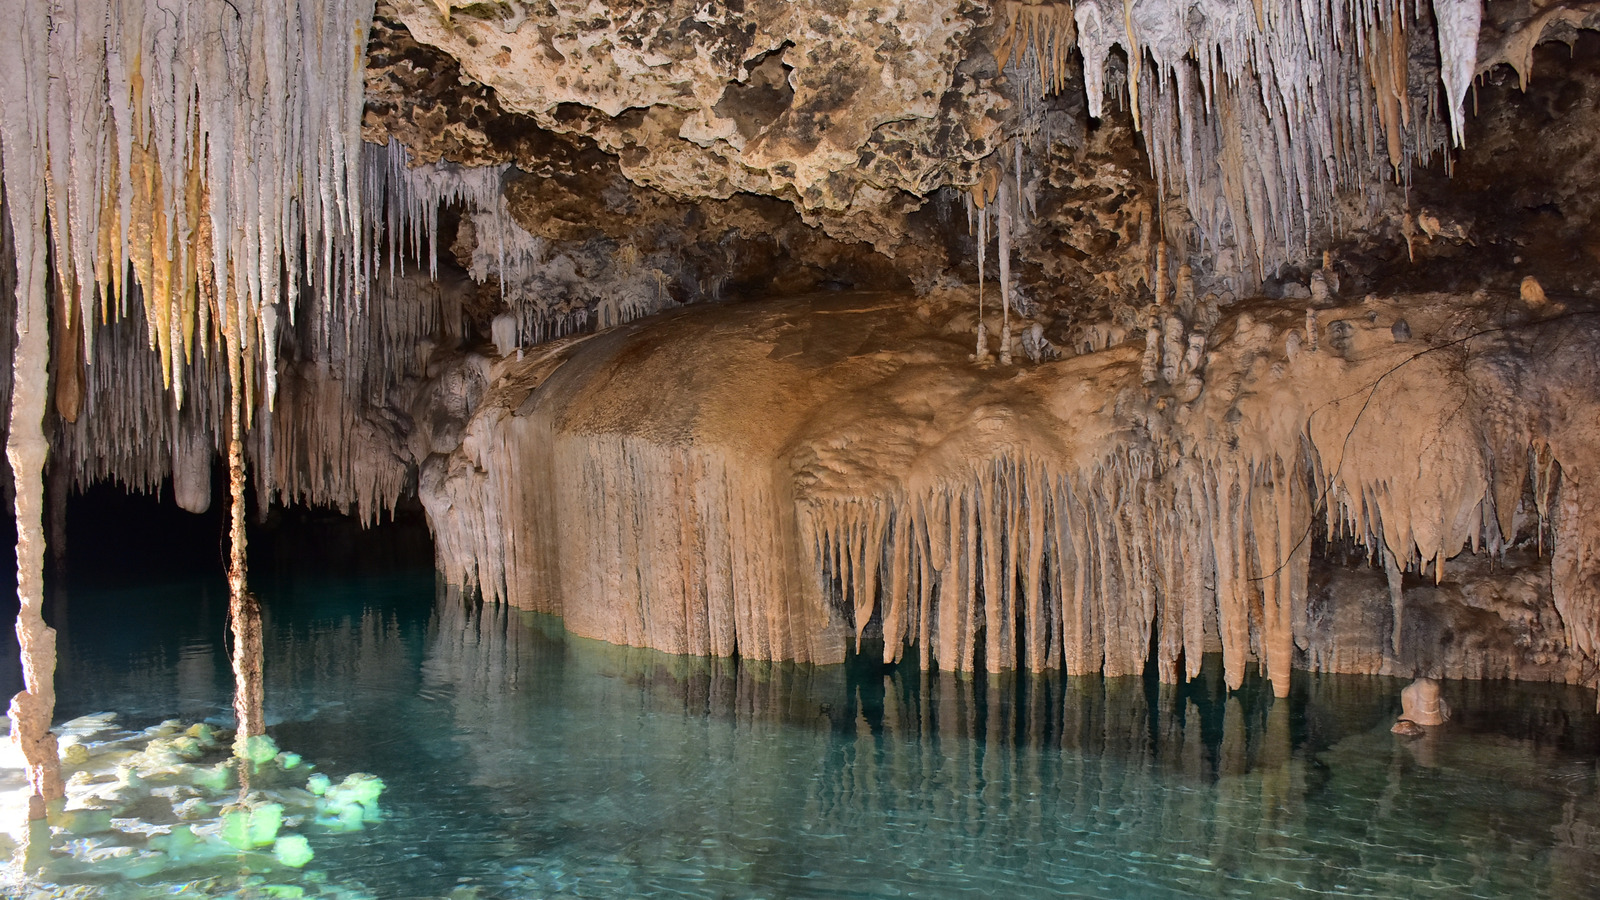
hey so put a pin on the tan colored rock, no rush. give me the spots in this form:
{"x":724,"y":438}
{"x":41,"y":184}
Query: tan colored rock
{"x":1533,"y":294}
{"x":1407,"y":728}
{"x":1421,"y":702}
{"x":820,"y":103}
{"x":773,"y":479}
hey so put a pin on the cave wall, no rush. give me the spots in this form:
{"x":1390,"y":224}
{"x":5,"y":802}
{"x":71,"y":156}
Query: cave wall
{"x":1188,"y":273}
{"x":660,"y":485}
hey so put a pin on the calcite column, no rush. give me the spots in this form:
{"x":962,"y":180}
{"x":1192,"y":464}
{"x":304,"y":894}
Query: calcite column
{"x":23,"y":63}
{"x":244,"y":613}
{"x":32,"y":709}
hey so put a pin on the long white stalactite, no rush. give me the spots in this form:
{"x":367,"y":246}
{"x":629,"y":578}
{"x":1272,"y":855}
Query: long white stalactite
{"x":22,"y":126}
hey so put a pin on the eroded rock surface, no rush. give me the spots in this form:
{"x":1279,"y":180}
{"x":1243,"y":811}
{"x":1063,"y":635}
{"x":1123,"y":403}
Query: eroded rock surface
{"x":838,"y":106}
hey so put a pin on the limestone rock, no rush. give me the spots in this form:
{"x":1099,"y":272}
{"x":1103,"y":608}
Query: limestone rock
{"x":776,"y":478}
{"x":830,"y":104}
{"x":1421,"y":703}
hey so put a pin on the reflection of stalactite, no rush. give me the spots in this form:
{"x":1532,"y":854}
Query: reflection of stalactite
{"x":936,"y":780}
{"x":1026,"y":759}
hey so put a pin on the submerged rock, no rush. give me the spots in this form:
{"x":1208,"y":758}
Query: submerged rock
{"x":120,"y":820}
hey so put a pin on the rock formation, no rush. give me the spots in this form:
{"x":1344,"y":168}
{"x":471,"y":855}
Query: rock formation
{"x":1031,"y":335}
{"x":844,"y":456}
{"x":1420,"y":703}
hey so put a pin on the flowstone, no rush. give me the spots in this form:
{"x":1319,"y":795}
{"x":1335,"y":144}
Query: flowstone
{"x":774,"y":481}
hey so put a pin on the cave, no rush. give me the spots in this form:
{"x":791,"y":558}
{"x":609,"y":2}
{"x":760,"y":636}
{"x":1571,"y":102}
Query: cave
{"x":753,"y":448}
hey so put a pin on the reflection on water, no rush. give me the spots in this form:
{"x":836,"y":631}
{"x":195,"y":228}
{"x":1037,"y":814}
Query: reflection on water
{"x":523,"y":762}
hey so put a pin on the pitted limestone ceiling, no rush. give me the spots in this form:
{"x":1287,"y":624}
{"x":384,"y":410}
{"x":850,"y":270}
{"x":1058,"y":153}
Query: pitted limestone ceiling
{"x":832,"y":103}
{"x":1258,"y":115}
{"x":214,"y":148}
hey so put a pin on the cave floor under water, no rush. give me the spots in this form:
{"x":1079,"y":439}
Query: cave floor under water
{"x":522,"y":762}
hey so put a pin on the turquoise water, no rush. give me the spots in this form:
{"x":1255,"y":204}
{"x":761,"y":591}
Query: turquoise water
{"x":521,"y":762}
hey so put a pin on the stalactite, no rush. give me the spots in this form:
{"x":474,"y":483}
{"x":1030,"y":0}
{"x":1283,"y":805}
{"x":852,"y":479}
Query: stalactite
{"x":23,"y":125}
{"x":249,"y":110}
{"x":244,"y":613}
{"x":1048,"y":30}
{"x":998,"y":198}
{"x":1250,"y":119}
{"x":1129,"y":530}
{"x":982,"y":352}
{"x":214,"y":152}
{"x":1005,"y":221}
{"x":549,"y":300}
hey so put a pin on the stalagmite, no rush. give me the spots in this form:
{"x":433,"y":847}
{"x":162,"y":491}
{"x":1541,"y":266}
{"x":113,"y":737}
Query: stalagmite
{"x":1533,"y":293}
{"x":1158,"y":274}
{"x":1150,"y":367}
{"x":1421,"y":703}
{"x":1321,"y":294}
{"x":1172,"y":350}
{"x":1194,"y":355}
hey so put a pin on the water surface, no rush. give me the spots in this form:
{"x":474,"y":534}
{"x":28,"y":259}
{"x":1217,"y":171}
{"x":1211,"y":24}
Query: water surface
{"x":522,"y":762}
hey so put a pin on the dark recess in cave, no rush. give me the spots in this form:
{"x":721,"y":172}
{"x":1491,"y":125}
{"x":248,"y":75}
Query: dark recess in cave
{"x":115,"y":536}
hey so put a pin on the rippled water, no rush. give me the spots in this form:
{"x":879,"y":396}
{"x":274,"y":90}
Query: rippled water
{"x":522,"y":762}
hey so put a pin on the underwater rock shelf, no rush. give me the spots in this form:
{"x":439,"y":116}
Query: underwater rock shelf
{"x":772,"y":481}
{"x":162,"y":810}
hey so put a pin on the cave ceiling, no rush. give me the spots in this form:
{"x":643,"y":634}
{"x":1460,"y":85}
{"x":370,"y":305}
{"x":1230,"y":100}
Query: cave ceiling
{"x":510,"y":173}
{"x":369,"y":262}
{"x":868,"y":124}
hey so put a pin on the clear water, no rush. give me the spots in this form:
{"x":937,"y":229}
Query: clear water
{"x":522,"y":762}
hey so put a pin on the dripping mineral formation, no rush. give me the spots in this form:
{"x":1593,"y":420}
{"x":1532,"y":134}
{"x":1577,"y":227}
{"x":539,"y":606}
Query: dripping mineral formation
{"x":780,"y":480}
{"x":979,"y":335}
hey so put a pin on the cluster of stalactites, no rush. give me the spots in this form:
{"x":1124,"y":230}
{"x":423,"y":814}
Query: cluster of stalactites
{"x":320,"y":444}
{"x":1257,"y":115}
{"x":323,"y":444}
{"x":997,"y":208}
{"x":673,"y":548}
{"x":212,"y":149}
{"x":1025,"y":565}
{"x":546,"y":296}
{"x":411,"y":196}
